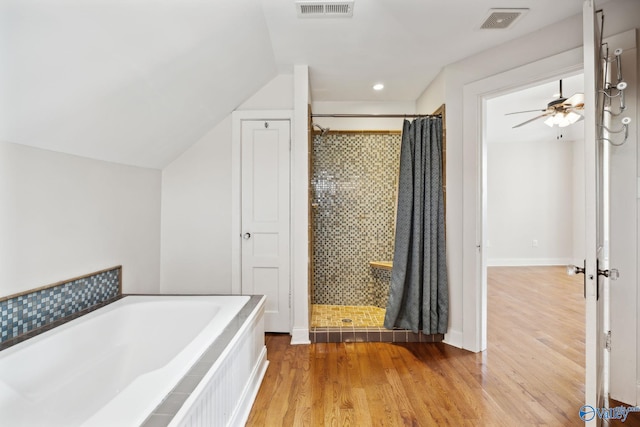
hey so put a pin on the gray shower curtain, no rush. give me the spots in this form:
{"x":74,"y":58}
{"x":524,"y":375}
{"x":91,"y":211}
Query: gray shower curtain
{"x":418,"y":295}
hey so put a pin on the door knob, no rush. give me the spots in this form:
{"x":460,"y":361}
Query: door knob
{"x":612,"y":274}
{"x":246,"y":236}
{"x":572,"y":270}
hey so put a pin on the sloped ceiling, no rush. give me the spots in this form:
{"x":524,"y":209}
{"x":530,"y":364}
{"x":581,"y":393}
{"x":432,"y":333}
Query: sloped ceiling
{"x":129,"y":81}
{"x":139,"y":81}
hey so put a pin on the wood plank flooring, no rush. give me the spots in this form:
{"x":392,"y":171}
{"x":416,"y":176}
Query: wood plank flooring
{"x":531,"y":374}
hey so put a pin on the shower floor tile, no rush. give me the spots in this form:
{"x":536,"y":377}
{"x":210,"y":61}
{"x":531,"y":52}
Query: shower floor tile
{"x":346,"y":316}
{"x":365,"y":325}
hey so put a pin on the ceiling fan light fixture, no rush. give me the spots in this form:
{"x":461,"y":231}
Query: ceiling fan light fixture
{"x":562,"y":119}
{"x":573,"y":117}
{"x":560,"y":111}
{"x":550,"y":121}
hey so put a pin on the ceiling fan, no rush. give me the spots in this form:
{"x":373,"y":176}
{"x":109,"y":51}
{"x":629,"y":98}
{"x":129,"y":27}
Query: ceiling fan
{"x":562,"y":111}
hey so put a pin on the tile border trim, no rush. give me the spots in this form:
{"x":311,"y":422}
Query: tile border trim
{"x":27,"y":314}
{"x":369,"y":334}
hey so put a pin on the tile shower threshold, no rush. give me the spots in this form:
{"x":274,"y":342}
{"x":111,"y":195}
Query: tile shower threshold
{"x":320,"y":334}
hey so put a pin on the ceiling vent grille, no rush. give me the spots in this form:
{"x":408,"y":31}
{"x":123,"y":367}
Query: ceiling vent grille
{"x":500,"y":19}
{"x":324,"y":9}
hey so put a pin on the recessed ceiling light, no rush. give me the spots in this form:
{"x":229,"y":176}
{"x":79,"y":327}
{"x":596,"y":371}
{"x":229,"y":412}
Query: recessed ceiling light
{"x":378,"y":86}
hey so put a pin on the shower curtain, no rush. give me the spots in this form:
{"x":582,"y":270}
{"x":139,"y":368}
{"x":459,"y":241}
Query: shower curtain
{"x":418,"y":294}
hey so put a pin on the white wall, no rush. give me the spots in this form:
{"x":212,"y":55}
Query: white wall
{"x":433,"y":96}
{"x":196,"y":204}
{"x":275,"y":95}
{"x":361,"y":123}
{"x":63,"y":216}
{"x":196,"y":217}
{"x":530,"y":198}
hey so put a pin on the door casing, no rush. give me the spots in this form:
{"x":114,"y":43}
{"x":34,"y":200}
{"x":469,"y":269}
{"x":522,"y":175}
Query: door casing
{"x":473,"y":336}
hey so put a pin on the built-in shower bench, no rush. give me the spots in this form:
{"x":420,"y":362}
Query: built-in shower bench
{"x":383,"y":265}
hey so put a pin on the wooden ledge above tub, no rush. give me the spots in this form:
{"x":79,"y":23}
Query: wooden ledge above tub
{"x":383,"y":265}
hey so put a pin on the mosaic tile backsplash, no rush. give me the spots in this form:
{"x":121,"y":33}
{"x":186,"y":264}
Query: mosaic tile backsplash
{"x":354,"y":184}
{"x":24,"y":313}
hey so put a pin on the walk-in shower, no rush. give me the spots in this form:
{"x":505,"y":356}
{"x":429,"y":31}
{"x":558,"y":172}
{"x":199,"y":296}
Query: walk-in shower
{"x":354,"y":188}
{"x":353,"y":198}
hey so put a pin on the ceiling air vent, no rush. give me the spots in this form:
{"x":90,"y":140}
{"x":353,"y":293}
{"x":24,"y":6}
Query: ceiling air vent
{"x":500,"y":19}
{"x":324,"y":9}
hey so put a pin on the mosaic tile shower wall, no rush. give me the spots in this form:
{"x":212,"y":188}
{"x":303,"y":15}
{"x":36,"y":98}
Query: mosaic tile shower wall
{"x":354,"y":183}
{"x":24,"y":313}
{"x":380,"y":281}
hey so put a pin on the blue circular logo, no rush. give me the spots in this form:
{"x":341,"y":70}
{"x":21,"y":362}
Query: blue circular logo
{"x":587,"y":413}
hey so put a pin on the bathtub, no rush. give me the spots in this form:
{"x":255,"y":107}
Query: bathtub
{"x":154,"y":360}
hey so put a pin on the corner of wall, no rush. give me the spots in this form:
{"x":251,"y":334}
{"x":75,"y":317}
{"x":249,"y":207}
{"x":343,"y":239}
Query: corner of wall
{"x":300,"y":336}
{"x":433,"y":96}
{"x":300,"y":205}
{"x":453,"y":338}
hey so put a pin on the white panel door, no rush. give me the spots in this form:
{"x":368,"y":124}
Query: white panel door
{"x":265,"y":217}
{"x":594,"y":221}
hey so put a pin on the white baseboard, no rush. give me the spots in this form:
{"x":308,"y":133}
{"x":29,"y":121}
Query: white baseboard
{"x":300,"y":336}
{"x":453,"y":338}
{"x":526,"y":262}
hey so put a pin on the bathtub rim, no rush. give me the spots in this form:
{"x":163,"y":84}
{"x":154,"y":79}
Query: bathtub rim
{"x":167,"y":410}
{"x":49,"y":326}
{"x":177,"y":402}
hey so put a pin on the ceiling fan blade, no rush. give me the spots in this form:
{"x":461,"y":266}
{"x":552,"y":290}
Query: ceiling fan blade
{"x":530,"y":120}
{"x":577,"y":110}
{"x":526,"y":111}
{"x":576,"y":100}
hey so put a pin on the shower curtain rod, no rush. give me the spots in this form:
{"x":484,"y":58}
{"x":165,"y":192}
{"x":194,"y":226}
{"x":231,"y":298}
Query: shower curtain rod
{"x":374,"y":116}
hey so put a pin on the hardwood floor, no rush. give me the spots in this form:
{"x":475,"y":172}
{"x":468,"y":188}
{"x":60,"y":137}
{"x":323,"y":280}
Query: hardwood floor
{"x":531,"y":373}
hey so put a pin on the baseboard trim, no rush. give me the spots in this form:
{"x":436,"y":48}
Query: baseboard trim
{"x":453,"y":338}
{"x":527,"y":262}
{"x":300,"y":336}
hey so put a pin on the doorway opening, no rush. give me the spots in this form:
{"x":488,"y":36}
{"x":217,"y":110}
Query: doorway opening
{"x":534,"y":226}
{"x":534,"y":179}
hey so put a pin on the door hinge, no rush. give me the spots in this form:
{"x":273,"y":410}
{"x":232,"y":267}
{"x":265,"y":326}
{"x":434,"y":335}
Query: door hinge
{"x":607,"y":340}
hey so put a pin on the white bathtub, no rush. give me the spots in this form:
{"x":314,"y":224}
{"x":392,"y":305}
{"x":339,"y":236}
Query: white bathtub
{"x":115,"y":366}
